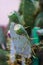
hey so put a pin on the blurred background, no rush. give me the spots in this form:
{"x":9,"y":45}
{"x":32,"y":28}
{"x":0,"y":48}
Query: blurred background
{"x":6,"y":7}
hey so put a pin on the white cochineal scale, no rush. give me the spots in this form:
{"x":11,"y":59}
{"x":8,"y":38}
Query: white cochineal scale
{"x":19,"y":44}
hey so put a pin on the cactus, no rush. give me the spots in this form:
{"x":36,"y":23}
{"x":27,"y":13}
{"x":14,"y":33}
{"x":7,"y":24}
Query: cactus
{"x":28,"y":12}
{"x":28,"y":9}
{"x":3,"y":57}
{"x":20,"y":29}
{"x":2,"y":37}
{"x":39,"y":19}
{"x":21,"y":7}
{"x":14,"y":17}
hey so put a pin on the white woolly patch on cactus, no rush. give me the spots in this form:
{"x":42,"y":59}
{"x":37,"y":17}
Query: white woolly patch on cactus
{"x":17,"y":27}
